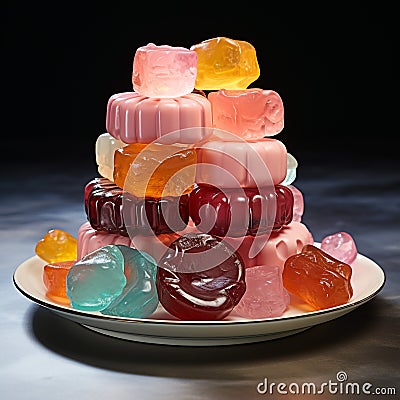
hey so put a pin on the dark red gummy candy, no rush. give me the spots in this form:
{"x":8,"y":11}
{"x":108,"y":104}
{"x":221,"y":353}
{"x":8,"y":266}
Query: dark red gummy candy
{"x":236,"y":213}
{"x":111,"y":209}
{"x":200,"y":277}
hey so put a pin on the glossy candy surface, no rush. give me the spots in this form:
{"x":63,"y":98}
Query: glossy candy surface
{"x":97,"y":279}
{"x":249,"y":113}
{"x":139,"y":297}
{"x":240,"y":212}
{"x":155,"y":170}
{"x":265,"y":295}
{"x":105,"y":148}
{"x":298,"y":203}
{"x":133,"y":118}
{"x":57,"y":245}
{"x":273,"y":249}
{"x":109,"y":208}
{"x":164,"y":71}
{"x":90,"y":240}
{"x":340,"y":245}
{"x":54,"y":278}
{"x":200,"y":278}
{"x":225,"y":63}
{"x":249,"y":164}
{"x":291,"y":170}
{"x":317,"y":278}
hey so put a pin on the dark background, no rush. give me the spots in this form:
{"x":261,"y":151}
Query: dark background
{"x":331,"y":64}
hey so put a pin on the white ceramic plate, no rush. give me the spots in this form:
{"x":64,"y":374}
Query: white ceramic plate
{"x":367,"y":280}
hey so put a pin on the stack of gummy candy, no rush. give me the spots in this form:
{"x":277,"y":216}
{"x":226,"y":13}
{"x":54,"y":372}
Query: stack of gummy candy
{"x":194,"y":211}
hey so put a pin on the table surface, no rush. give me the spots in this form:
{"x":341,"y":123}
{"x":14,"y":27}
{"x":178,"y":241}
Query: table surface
{"x":44,"y":354}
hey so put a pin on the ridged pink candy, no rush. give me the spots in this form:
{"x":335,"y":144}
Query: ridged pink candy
{"x":265,"y":296}
{"x":341,"y":246}
{"x":268,"y":250}
{"x":90,"y":240}
{"x":272,"y":250}
{"x":251,"y":163}
{"x":164,"y":71}
{"x":133,"y":118}
{"x":248,"y":113}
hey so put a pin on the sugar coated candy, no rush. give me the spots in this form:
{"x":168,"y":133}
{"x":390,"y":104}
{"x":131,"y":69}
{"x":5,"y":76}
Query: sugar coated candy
{"x":54,"y":278}
{"x":133,"y":118}
{"x":225,"y":63}
{"x":97,"y":279}
{"x":251,"y":163}
{"x":265,"y":295}
{"x":57,"y":245}
{"x":248,"y":113}
{"x":233,"y":212}
{"x":340,"y":245}
{"x":109,"y":208}
{"x":317,"y":278}
{"x":139,"y":297}
{"x":155,"y":170}
{"x":200,"y":278}
{"x":164,"y":71}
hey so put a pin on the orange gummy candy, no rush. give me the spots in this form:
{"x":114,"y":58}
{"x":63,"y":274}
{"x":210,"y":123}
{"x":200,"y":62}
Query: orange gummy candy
{"x":57,"y":245}
{"x":155,"y":170}
{"x":317,"y":278}
{"x":54,"y":278}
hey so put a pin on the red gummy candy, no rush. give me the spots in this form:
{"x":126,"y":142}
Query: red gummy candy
{"x":200,"y":277}
{"x":237,"y":213}
{"x":111,"y":209}
{"x":317,"y":278}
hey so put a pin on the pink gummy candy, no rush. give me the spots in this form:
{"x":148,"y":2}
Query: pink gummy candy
{"x":164,"y":71}
{"x":341,"y":246}
{"x":298,"y":203}
{"x":248,"y":113}
{"x":265,"y":296}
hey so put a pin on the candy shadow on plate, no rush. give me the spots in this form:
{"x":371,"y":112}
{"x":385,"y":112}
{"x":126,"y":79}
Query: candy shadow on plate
{"x":342,"y":336}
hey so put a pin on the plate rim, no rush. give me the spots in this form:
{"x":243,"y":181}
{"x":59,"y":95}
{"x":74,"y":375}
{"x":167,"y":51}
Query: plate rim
{"x":195,"y":323}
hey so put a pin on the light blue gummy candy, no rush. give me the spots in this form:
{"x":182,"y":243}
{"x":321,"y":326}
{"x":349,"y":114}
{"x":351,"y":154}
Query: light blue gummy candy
{"x":291,"y":170}
{"x":139,"y":298}
{"x":96,"y":280}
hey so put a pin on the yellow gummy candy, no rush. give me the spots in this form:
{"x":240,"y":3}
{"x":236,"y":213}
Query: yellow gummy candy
{"x":225,"y":63}
{"x":57,"y":245}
